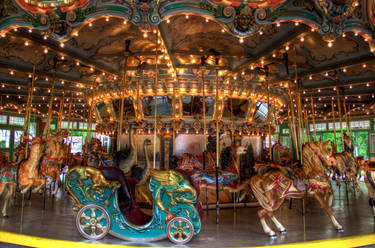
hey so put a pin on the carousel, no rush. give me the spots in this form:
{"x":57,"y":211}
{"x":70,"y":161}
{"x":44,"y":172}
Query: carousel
{"x":141,"y":121}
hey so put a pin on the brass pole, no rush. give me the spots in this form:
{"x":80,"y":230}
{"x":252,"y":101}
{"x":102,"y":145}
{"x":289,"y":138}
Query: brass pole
{"x":313,"y":116}
{"x":70,"y":115}
{"x":138,"y":110}
{"x":231,"y":113}
{"x":91,"y":113}
{"x":156,"y":98}
{"x":340,"y":117}
{"x":304,"y":136}
{"x":204,"y":111}
{"x":346,"y":118}
{"x":217,"y":142}
{"x":290,"y":131}
{"x":204,"y":131}
{"x":49,"y":115}
{"x":350,"y":119}
{"x":269,"y":122}
{"x":299,"y":112}
{"x":61,"y":109}
{"x":174,"y":118}
{"x":299,"y":109}
{"x":27,"y":112}
{"x":293,"y":122}
{"x":307,"y":128}
{"x":123,"y":93}
{"x":334,"y":122}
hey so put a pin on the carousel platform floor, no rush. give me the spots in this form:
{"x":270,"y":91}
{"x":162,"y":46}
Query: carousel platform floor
{"x":237,"y":228}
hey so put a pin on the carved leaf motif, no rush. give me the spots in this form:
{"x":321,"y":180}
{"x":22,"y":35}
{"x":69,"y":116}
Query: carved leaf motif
{"x":7,"y":8}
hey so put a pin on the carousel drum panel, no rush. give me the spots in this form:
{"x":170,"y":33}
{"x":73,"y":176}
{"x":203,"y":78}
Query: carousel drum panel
{"x":174,"y":212}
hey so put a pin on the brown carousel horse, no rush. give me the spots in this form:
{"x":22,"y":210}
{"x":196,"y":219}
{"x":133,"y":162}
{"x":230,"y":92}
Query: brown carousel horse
{"x":7,"y":181}
{"x":369,"y":169}
{"x":28,"y":172}
{"x":53,"y":159}
{"x":272,"y":185}
{"x":346,"y":165}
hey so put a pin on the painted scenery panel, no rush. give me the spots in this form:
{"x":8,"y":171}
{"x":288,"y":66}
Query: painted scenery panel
{"x":128,"y":107}
{"x":164,"y":106}
{"x":235,"y":108}
{"x":193,"y":105}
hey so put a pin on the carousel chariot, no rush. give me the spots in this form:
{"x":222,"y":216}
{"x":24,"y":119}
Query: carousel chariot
{"x":99,"y":211}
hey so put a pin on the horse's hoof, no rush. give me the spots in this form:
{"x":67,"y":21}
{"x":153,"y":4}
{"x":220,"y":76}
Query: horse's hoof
{"x":5,"y":216}
{"x":272,"y":236}
{"x":283,"y":232}
{"x":340,"y":230}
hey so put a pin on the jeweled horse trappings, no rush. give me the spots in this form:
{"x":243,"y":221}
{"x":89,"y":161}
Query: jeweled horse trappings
{"x":228,"y":174}
{"x":271,"y":185}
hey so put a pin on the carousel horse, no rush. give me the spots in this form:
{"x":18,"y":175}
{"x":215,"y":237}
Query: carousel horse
{"x":272,"y":185}
{"x":52,"y":161}
{"x":346,"y":165}
{"x":7,"y":181}
{"x":28,"y":169}
{"x":205,"y":176}
{"x":369,"y":169}
{"x":20,"y":152}
{"x":124,"y":159}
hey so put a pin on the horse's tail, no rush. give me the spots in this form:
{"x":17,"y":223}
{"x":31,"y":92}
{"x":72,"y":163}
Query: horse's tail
{"x":370,"y":179}
{"x":256,"y":187}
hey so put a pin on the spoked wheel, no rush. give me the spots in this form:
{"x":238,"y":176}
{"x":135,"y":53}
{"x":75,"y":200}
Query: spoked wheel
{"x":93,"y":222}
{"x":180,"y":230}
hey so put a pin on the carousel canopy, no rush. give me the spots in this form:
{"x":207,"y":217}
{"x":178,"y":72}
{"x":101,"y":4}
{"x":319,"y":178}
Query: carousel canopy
{"x":244,"y":60}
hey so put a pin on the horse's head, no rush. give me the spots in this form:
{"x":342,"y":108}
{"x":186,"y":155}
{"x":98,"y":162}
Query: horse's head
{"x":324,"y":152}
{"x":348,"y":143}
{"x":3,"y":159}
{"x":362,"y":165}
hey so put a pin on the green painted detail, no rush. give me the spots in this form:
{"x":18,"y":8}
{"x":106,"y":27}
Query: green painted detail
{"x":217,"y":12}
{"x":118,"y":8}
{"x":82,"y":14}
{"x":35,"y":21}
{"x":274,"y":15}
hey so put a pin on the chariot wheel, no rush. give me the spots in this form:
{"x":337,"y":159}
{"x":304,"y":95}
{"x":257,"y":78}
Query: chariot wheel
{"x":93,"y":222}
{"x":180,"y":230}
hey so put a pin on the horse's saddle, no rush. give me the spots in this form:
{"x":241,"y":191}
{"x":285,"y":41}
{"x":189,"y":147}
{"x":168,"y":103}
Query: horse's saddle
{"x":301,"y":184}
